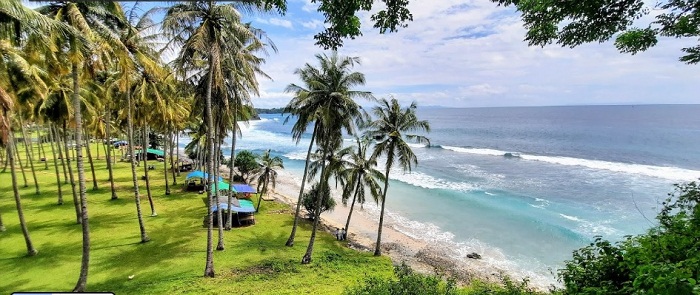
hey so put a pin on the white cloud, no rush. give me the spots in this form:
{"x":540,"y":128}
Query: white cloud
{"x":472,"y":53}
{"x":275,"y":22}
{"x":313,"y":24}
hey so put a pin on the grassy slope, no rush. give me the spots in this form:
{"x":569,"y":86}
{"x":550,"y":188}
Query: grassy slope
{"x":255,"y":260}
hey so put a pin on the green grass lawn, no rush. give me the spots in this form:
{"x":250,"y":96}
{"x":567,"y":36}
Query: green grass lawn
{"x":255,"y":260}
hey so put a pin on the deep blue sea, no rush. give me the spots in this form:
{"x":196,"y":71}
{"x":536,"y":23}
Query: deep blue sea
{"x":578,"y":172}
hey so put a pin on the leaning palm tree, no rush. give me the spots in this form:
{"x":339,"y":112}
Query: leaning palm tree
{"x":7,"y":142}
{"x":208,"y":32}
{"x":327,"y":93}
{"x":361,"y":174}
{"x":266,"y":174}
{"x":389,"y":130}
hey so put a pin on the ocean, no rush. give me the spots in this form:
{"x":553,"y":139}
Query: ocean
{"x":525,"y":186}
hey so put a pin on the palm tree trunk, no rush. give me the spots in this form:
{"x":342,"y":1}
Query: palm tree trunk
{"x":55,"y":164}
{"x":290,"y":241}
{"x":220,"y":245}
{"x":60,"y":153}
{"x":165,"y":163}
{"x":173,"y":160}
{"x":97,"y":148}
{"x":72,"y":180}
{"x":263,"y":191}
{"x":232,"y":166}
{"x":108,"y":150}
{"x":18,"y":202}
{"x":82,"y":279}
{"x":144,"y":154}
{"x":132,"y":161}
{"x":41,"y":149}
{"x":378,"y":249}
{"x":29,"y":152}
{"x":104,"y":148}
{"x":352,"y":205}
{"x":317,"y":215}
{"x":92,"y":165}
{"x":209,"y":265}
{"x":21,"y":167}
{"x":177,"y":146}
{"x":4,"y":163}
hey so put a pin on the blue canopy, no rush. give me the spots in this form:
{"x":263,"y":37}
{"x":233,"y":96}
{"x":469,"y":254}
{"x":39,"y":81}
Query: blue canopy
{"x":243,"y":188}
{"x":200,"y":174}
{"x":246,"y":207}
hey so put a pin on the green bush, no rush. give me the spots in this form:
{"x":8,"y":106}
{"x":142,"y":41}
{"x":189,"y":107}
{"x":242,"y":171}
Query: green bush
{"x":245,"y":163}
{"x":310,"y":199}
{"x":665,"y":260}
{"x":507,"y":286}
{"x":407,"y":282}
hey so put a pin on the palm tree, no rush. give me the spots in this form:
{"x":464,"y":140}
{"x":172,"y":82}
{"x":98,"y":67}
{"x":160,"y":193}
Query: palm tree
{"x":27,"y":150}
{"x":55,"y":163}
{"x":361,"y":174}
{"x":207,"y":32}
{"x":7,"y":141}
{"x":327,"y":87}
{"x":84,"y":16}
{"x":389,"y":130}
{"x":266,"y":174}
{"x":108,"y":134}
{"x":31,"y":251}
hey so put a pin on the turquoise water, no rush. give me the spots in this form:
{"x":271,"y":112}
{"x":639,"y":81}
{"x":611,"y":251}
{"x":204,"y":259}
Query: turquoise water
{"x":578,"y":172}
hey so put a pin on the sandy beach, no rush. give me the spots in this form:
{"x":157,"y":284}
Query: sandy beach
{"x":426,"y":256}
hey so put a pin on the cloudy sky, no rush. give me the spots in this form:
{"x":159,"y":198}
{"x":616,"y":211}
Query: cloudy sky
{"x":470,"y":53}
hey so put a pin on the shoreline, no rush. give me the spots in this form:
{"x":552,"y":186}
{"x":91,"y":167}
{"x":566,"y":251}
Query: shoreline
{"x":422,"y":255}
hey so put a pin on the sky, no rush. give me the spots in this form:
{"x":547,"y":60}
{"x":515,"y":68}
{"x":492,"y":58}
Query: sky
{"x":471,"y":53}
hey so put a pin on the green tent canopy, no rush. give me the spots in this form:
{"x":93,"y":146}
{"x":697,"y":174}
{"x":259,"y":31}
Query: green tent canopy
{"x":222,"y":187}
{"x":153,"y":151}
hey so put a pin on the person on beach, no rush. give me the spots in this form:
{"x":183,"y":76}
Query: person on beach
{"x":337,"y":234}
{"x":342,"y":234}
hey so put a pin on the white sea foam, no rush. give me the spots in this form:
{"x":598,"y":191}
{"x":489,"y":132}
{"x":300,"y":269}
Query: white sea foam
{"x":490,"y":194}
{"x":569,"y":217}
{"x":417,"y":145}
{"x":489,"y":152}
{"x":671,"y":173}
{"x":589,"y":228}
{"x":430,"y":182}
{"x":296,"y":155}
{"x":446,"y":241}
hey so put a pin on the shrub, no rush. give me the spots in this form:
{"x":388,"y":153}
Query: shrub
{"x":665,"y":260}
{"x":310,"y":199}
{"x":245,"y":163}
{"x":406,"y":282}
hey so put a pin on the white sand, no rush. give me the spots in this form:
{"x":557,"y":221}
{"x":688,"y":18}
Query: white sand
{"x":422,"y":255}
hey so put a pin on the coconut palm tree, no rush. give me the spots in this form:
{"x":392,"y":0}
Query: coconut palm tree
{"x":207,"y":33}
{"x":55,"y":164}
{"x":389,"y":130}
{"x":266,"y":174}
{"x":84,"y":16}
{"x":361,"y":174}
{"x":7,"y":141}
{"x":326,"y":87}
{"x":27,"y":150}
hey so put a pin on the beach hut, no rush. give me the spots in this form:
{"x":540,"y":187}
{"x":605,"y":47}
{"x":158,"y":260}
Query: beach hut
{"x":244,"y":210}
{"x":195,"y":180}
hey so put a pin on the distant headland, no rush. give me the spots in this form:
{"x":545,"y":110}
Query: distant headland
{"x":258,"y":111}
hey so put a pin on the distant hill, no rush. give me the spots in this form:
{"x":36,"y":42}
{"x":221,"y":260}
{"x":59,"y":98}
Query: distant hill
{"x":269,"y":111}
